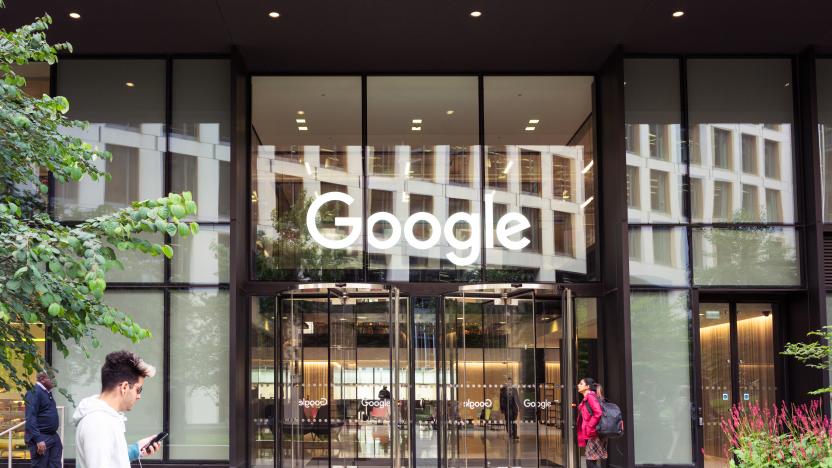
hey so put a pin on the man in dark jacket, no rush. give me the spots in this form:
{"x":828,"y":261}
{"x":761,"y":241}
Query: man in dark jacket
{"x":510,"y":405}
{"x":42,"y":424}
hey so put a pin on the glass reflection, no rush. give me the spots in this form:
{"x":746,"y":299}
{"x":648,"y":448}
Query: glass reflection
{"x":741,"y":116}
{"x":539,"y":162}
{"x":658,"y":255}
{"x":421,"y":158}
{"x":655,"y":163}
{"x":306,"y":134}
{"x":759,"y":256}
{"x":127,"y":121}
{"x":823,"y":69}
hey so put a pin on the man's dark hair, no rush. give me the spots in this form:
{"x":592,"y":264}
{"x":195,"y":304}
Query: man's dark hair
{"x":123,"y":366}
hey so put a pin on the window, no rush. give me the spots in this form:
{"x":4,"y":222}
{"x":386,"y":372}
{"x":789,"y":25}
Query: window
{"x":633,"y":188}
{"x":562,"y":178}
{"x":459,"y":166}
{"x":530,"y":172}
{"x":456,"y":205}
{"x":774,"y":208}
{"x":496,"y":167}
{"x":634,"y":238}
{"x":564,"y":235}
{"x":332,"y":158}
{"x":722,"y":148}
{"x":722,"y":200}
{"x":631,"y":137}
{"x":747,"y":256}
{"x":663,"y":246}
{"x":128,"y":121}
{"x":382,"y":162}
{"x":422,"y":230}
{"x":535,"y":231}
{"x":750,"y":203}
{"x":381,"y":200}
{"x":772,"y":149}
{"x":695,"y":148}
{"x":421,"y":163}
{"x":749,"y":154}
{"x":696,"y":199}
{"x":199,"y":391}
{"x":659,"y":191}
{"x":658,"y":142}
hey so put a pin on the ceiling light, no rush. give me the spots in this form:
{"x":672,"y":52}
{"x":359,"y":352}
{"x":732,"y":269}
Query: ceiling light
{"x":303,"y":129}
{"x":417,"y":121}
{"x":416,"y":129}
{"x":476,"y":14}
{"x":300,"y":120}
{"x":449,"y":112}
{"x":529,"y":129}
{"x":534,"y":121}
{"x":508,"y":167}
{"x":274,"y":14}
{"x":130,"y":84}
{"x":75,"y":15}
{"x":301,"y":112}
{"x":678,"y":14}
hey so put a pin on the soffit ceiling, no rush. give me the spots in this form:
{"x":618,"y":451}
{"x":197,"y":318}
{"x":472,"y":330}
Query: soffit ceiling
{"x":430,"y":35}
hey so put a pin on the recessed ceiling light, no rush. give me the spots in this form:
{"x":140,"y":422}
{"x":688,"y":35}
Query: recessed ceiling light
{"x":449,"y":112}
{"x":678,"y":14}
{"x":130,"y":84}
{"x":534,"y":121}
{"x":300,"y":120}
{"x":417,"y":121}
{"x":529,"y":129}
{"x":301,"y":112}
{"x":416,"y":129}
{"x":303,"y":129}
{"x":75,"y":15}
{"x":476,"y":14}
{"x":274,"y":14}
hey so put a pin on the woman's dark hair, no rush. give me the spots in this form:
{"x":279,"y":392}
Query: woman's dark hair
{"x":123,"y":366}
{"x":591,"y":383}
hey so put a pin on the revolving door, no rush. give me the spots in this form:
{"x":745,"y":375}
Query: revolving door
{"x":342,"y":374}
{"x":508,"y":381}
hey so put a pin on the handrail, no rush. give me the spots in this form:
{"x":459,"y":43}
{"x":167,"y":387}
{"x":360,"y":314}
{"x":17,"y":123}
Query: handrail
{"x":10,"y":432}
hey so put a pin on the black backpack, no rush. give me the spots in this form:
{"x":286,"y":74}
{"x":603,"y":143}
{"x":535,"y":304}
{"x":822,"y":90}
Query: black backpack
{"x":611,"y":424}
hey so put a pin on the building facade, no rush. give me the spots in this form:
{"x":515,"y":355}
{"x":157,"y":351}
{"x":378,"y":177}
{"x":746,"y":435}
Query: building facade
{"x":391,"y":259}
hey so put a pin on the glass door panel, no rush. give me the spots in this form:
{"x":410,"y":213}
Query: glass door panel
{"x":715,"y":346}
{"x":746,"y":332}
{"x":755,"y":346}
{"x":426,"y":363}
{"x":502,"y":381}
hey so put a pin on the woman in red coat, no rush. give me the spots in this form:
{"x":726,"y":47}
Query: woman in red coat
{"x":596,"y":448}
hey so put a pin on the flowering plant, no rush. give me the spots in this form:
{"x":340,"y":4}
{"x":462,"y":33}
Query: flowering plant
{"x":769,"y":437}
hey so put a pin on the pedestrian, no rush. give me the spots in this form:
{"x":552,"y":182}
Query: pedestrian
{"x":510,"y":406}
{"x":589,"y":414}
{"x":384,"y":394}
{"x":99,"y":419}
{"x":42,"y":423}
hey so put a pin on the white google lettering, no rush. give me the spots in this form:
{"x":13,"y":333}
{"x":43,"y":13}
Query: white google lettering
{"x":375,"y":403}
{"x":478,"y":404}
{"x":545,"y":404}
{"x":508,"y":225}
{"x":313,"y":403}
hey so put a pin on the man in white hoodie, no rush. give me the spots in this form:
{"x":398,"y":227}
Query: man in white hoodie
{"x":99,"y":419}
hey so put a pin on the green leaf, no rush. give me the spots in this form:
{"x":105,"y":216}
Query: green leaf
{"x":55,"y":309}
{"x":178,"y":211}
{"x":13,"y":285}
{"x":190,"y":207}
{"x":194,"y":228}
{"x":20,"y":271}
{"x":168,"y":251}
{"x":171,"y":229}
{"x":184,"y":230}
{"x":55,"y":267}
{"x":187,"y":196}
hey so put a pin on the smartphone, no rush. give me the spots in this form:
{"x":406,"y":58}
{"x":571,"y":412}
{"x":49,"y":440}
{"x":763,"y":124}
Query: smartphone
{"x":158,"y":438}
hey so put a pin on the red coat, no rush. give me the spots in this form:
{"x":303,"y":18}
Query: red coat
{"x":586,"y":424}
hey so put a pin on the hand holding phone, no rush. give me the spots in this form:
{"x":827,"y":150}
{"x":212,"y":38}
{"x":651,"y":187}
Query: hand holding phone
{"x":152,"y":445}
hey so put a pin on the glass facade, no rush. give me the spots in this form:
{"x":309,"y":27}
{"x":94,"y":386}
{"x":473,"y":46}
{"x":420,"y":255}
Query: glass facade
{"x":423,"y":201}
{"x":414,"y":182}
{"x":183,"y":301}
